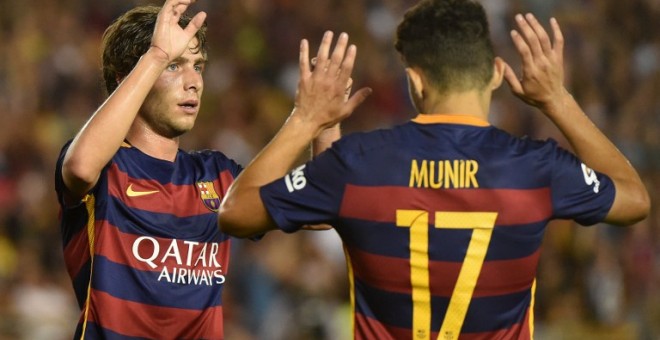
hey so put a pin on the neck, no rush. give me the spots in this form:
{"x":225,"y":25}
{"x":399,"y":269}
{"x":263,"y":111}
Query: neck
{"x":469,"y":103}
{"x":153,"y":144}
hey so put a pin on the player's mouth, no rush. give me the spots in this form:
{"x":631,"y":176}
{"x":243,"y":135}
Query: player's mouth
{"x":190,"y":106}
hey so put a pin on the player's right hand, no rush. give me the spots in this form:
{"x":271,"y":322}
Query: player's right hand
{"x":169,"y":39}
{"x":321,"y":97}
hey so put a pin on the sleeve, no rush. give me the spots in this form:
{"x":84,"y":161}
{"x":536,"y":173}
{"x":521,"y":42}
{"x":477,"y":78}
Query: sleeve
{"x":60,"y":187}
{"x":310,"y":194}
{"x":578,"y":192}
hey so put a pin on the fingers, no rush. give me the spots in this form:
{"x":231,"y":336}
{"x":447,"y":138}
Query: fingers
{"x":178,"y":6}
{"x":358,"y":98}
{"x":303,"y":59}
{"x":339,"y":63}
{"x":339,"y":54}
{"x":522,"y":47}
{"x":512,"y":79}
{"x":349,"y":88}
{"x":322,"y":57}
{"x":530,"y":35}
{"x":541,"y":34}
{"x":325,"y":81}
{"x":195,"y":24}
{"x":558,"y":39}
{"x":346,"y":68}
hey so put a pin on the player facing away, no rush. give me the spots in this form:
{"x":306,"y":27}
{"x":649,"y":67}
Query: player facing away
{"x":138,"y":214}
{"x":442,"y":217}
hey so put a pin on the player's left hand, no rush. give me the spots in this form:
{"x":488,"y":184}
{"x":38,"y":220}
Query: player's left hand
{"x":542,"y":62}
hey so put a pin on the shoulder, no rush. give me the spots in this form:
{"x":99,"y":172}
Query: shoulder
{"x":209,"y":157}
{"x":369,"y":141}
{"x":497,"y":138}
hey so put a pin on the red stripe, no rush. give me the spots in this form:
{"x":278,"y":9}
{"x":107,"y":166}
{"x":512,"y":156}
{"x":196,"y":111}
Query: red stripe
{"x":367,"y":328}
{"x":140,"y":320}
{"x":76,"y":252}
{"x":507,"y":276}
{"x":178,"y":200}
{"x":499,"y":277}
{"x":371,"y":329}
{"x":519,"y":331}
{"x":514,"y":206}
{"x":118,"y":247}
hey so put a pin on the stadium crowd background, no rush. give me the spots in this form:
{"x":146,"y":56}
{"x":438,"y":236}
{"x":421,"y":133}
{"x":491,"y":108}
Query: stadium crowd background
{"x":601,"y":282}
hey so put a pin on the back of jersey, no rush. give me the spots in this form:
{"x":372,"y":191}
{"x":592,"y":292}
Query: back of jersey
{"x":442,"y":219}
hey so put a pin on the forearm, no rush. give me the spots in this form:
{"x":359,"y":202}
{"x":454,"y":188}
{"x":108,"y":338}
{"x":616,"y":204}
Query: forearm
{"x":242,"y":212}
{"x":102,"y":135}
{"x":588,"y":142}
{"x":600,"y":154}
{"x":325,"y":139}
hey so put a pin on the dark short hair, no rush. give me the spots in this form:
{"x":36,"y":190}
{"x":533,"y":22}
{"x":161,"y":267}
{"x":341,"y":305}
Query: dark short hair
{"x":129,"y":37}
{"x":449,"y":40}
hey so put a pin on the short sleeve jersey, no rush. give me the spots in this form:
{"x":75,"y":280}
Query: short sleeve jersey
{"x":143,"y":249}
{"x":442,"y":220}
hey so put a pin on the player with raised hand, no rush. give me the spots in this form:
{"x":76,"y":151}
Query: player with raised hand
{"x":542,"y":86}
{"x":442,"y":218}
{"x":138,"y":214}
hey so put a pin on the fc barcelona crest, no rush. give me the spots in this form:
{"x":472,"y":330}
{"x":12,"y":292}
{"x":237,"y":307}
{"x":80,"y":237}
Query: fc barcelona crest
{"x":208,"y":195}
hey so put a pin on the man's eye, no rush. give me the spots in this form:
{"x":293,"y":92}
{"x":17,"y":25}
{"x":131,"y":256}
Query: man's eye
{"x":172,"y":67}
{"x":199,"y":68}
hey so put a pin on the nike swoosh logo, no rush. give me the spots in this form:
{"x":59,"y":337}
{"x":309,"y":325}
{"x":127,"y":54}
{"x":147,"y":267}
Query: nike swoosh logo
{"x":132,"y":193}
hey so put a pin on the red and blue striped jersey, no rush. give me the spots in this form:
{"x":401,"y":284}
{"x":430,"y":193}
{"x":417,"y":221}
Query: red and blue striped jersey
{"x":442,"y":220}
{"x":143,"y":249}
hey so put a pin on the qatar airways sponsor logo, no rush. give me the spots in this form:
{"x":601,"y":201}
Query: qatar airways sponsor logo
{"x":182,"y":262}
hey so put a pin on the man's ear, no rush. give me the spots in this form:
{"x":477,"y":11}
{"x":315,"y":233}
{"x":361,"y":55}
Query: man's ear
{"x":499,"y":66}
{"x":415,"y":80}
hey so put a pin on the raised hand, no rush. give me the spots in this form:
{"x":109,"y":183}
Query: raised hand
{"x":542,"y":62}
{"x":169,"y":38}
{"x":321,"y":97}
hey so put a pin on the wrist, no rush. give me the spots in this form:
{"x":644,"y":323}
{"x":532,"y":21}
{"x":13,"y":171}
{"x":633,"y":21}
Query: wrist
{"x":303,"y":126}
{"x":157,"y":55}
{"x":556,"y":104}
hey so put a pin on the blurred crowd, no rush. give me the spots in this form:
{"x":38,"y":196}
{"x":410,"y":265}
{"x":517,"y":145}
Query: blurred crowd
{"x":600,"y":282}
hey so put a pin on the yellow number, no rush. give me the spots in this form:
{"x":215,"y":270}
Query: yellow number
{"x":482,"y":224}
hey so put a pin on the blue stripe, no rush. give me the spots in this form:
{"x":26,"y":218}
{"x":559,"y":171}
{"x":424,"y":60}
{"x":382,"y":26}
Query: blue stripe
{"x":515,"y":242}
{"x":496,"y":312}
{"x":126,"y":283}
{"x":390,"y":308}
{"x":386,"y":239}
{"x":485,"y":314}
{"x":81,"y":283}
{"x":200,"y":228}
{"x":187,"y":168}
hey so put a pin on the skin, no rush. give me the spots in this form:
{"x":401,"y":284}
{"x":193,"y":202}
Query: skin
{"x":154,"y":104}
{"x":320,"y":103}
{"x":133,"y":109}
{"x":542,"y":86}
{"x":243,"y":214}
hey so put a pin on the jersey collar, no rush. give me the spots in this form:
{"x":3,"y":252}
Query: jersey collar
{"x":449,"y":119}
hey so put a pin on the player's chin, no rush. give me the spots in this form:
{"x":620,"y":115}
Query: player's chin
{"x":181,"y":128}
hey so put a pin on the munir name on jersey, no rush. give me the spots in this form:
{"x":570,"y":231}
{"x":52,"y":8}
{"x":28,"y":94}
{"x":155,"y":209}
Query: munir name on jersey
{"x":444,"y":174}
